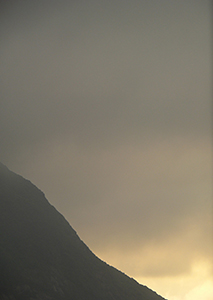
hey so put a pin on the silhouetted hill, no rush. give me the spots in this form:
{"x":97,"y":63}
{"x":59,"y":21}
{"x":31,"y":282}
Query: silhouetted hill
{"x":42,"y":257}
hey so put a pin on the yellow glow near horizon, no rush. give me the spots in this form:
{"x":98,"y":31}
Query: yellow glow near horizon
{"x":195,"y":286}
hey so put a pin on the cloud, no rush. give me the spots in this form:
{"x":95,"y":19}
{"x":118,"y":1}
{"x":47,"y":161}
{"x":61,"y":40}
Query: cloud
{"x":143,"y":208}
{"x":204,"y":290}
{"x":96,"y":79}
{"x":106,"y":108}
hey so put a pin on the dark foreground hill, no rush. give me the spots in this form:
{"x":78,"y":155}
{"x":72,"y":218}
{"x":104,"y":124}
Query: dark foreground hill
{"x":42,"y":258}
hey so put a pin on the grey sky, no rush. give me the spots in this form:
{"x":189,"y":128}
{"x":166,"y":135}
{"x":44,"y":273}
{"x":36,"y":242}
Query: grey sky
{"x":105,"y":106}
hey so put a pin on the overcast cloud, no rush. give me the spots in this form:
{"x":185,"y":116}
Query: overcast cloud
{"x":105,"y":106}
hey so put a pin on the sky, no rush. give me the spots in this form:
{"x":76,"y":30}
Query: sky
{"x":106,"y":107}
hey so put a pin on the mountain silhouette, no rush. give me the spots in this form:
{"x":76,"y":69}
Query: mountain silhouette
{"x":42,"y":257}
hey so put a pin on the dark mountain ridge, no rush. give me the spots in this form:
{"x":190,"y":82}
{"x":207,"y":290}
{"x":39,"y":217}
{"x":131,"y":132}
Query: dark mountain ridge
{"x":42,"y":257}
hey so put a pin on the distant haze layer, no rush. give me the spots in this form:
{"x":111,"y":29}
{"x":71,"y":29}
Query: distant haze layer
{"x":106,"y":107}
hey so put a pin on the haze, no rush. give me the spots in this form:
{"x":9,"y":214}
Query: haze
{"x":105,"y":106}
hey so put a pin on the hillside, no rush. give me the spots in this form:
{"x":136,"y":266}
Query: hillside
{"x":42,"y":257}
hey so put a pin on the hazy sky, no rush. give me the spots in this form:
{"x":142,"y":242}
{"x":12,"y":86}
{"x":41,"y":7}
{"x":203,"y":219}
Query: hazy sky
{"x":105,"y":106}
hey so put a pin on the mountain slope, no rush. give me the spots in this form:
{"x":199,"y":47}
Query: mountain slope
{"x":42,"y":257}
